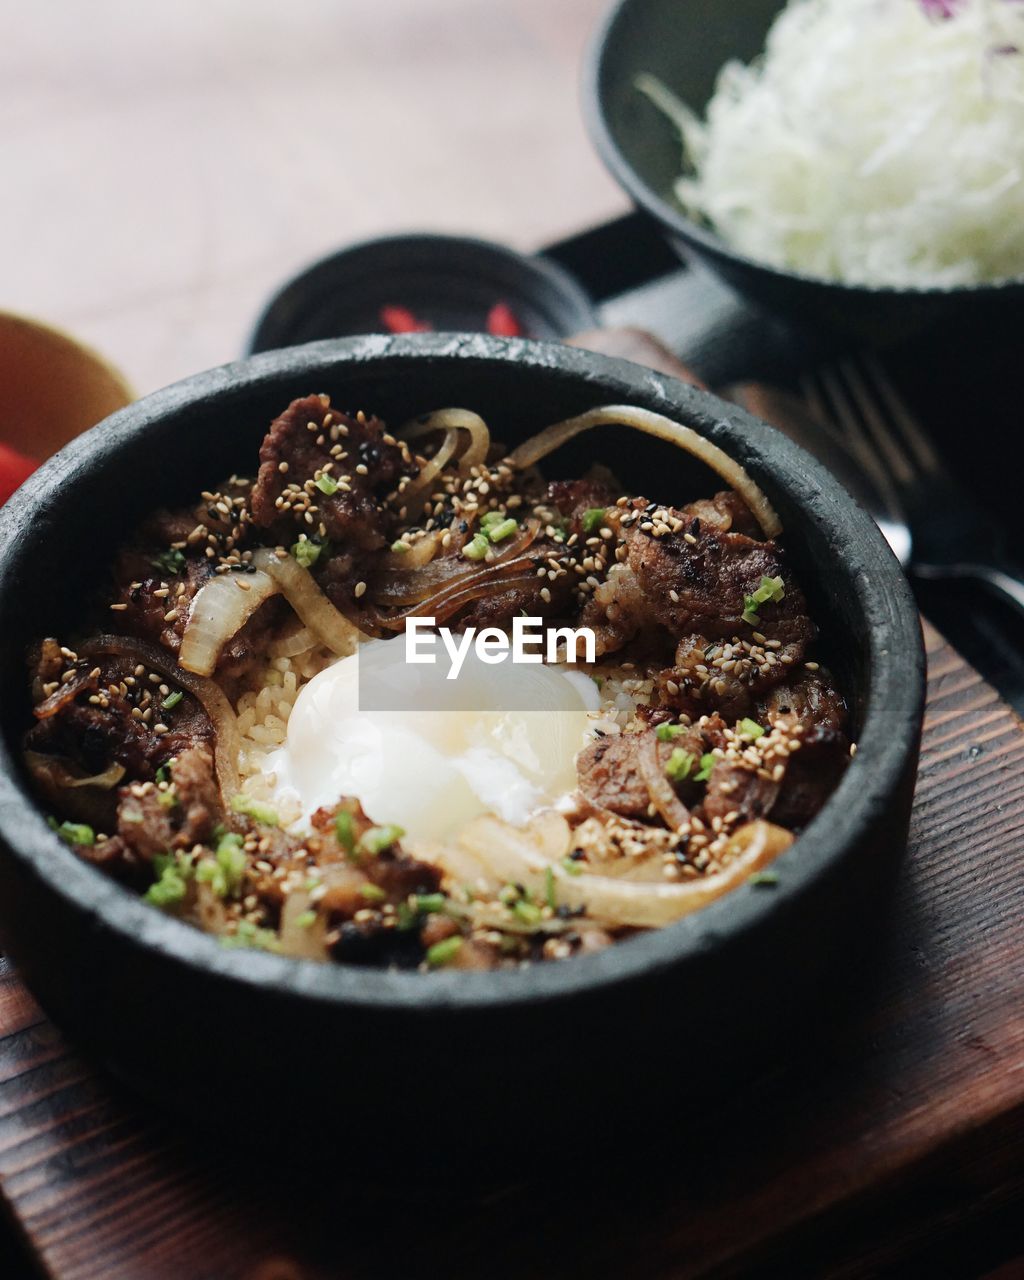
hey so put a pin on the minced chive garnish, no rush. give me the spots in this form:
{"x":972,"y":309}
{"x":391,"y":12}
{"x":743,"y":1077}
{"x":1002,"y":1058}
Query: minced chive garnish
{"x":377,"y":839}
{"x":250,"y":935}
{"x":549,"y":888}
{"x":372,"y":892}
{"x":225,"y":871}
{"x":327,"y":484}
{"x":680,"y":763}
{"x":345,"y":830}
{"x":749,"y":729}
{"x":306,"y":920}
{"x":593,"y":519}
{"x":526,"y":911}
{"x":572,"y":866}
{"x":167,"y":799}
{"x":476,"y":547}
{"x":256,"y":810}
{"x":75,"y":832}
{"x":444,"y":952}
{"x":170,"y":886}
{"x":172,"y":700}
{"x":764,"y":877}
{"x":499,"y":532}
{"x":707,"y":763}
{"x":400,"y":546}
{"x":306,"y":553}
{"x":169,"y":561}
{"x":667,"y":732}
{"x":771,"y":589}
{"x":428,"y":902}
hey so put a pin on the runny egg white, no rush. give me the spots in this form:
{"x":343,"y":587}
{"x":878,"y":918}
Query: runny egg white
{"x":429,"y":753}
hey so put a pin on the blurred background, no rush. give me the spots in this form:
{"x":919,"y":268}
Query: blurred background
{"x":167,"y":167}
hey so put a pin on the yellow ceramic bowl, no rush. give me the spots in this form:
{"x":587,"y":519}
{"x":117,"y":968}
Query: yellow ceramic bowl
{"x":52,"y":388}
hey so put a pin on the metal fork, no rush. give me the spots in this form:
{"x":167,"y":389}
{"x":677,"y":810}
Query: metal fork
{"x":952,"y":535}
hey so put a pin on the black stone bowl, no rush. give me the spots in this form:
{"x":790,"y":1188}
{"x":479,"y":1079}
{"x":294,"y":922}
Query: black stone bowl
{"x":283,"y":1049}
{"x":684,"y":43}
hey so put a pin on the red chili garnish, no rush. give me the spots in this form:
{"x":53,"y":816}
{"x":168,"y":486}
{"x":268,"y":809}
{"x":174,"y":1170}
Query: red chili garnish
{"x":502,"y":322}
{"x":402,"y":320}
{"x":14,"y":468}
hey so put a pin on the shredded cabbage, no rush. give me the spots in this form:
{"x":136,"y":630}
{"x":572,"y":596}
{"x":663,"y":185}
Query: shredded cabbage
{"x":874,"y":142}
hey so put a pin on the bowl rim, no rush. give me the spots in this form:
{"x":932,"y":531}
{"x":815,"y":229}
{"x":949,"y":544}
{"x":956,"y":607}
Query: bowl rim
{"x":312,"y":279}
{"x":703,"y":239}
{"x":892,"y":712}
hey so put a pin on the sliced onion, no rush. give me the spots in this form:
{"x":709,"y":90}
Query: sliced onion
{"x":491,"y":853}
{"x":64,"y":774}
{"x":220,"y":609}
{"x":479,"y":445}
{"x":305,"y":942}
{"x":420,"y":553}
{"x":655,"y":424}
{"x":316,"y":612}
{"x":62,"y":696}
{"x":227,"y":742}
{"x":661,"y":791}
{"x":290,"y":646}
{"x":449,"y":572}
{"x":414,"y":498}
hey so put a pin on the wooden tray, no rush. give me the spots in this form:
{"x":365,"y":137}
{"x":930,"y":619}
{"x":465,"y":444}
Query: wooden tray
{"x":907,"y":1124}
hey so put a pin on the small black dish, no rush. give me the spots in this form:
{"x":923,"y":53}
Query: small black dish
{"x":286,"y":1051}
{"x":425,"y":282}
{"x":684,"y":43}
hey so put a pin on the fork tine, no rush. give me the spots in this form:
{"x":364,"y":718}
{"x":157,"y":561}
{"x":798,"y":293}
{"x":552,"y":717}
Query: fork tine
{"x":886,"y":443}
{"x":828,"y":400}
{"x":914,"y":438}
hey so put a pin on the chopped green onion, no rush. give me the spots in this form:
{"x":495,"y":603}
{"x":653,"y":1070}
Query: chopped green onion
{"x":680,"y":763}
{"x":306,"y":920}
{"x":549,"y":888}
{"x":170,"y":886}
{"x":327,"y":484}
{"x":526,"y":911}
{"x":345,"y":830}
{"x":400,"y":546}
{"x":407,"y":917}
{"x":249,"y":935}
{"x":707,"y":763}
{"x":667,"y":732}
{"x":491,"y":518}
{"x":225,"y":871}
{"x":74,"y":832}
{"x":764,"y":877}
{"x":377,"y":839}
{"x":499,"y":532}
{"x":477,"y":547}
{"x":306,"y":553}
{"x":163,"y":773}
{"x":771,"y":589}
{"x":593,"y":519}
{"x":169,"y":561}
{"x":572,"y":866}
{"x":444,"y":952}
{"x":167,"y":799}
{"x":254,"y":809}
{"x":372,"y":892}
{"x":749,"y":729}
{"x":172,"y":700}
{"x":508,"y":894}
{"x":428,"y":902}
